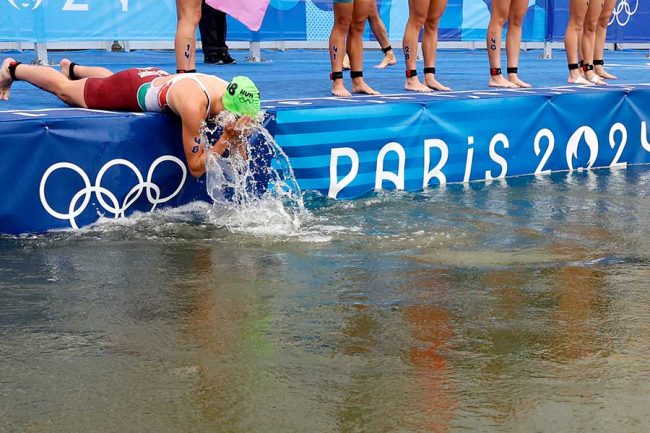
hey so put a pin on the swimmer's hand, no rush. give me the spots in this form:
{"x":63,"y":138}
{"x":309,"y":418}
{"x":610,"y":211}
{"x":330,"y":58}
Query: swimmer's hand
{"x":234,"y":138}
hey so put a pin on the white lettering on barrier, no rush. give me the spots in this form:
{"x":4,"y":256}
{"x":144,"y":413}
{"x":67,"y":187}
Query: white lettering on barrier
{"x":644,"y":136}
{"x":398,"y":179}
{"x":335,"y":185}
{"x":572,"y":146}
{"x":470,"y":159}
{"x":544,"y":133}
{"x":618,"y":127}
{"x":494,"y":156}
{"x":435,"y":172}
{"x":381,"y":175}
{"x":70,"y":5}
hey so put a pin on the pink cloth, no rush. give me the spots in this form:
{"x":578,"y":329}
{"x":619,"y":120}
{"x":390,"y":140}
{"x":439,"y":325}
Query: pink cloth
{"x":249,"y":12}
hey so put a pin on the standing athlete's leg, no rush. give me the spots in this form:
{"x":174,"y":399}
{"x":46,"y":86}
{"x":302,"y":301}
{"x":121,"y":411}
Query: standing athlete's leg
{"x":577,"y":12}
{"x":355,"y":47}
{"x":498,"y":17}
{"x":44,"y":77}
{"x":430,"y":43}
{"x":516,"y":16}
{"x":379,"y":30}
{"x":417,"y":16}
{"x":601,"y":35}
{"x":188,"y":14}
{"x":342,"y":18}
{"x":594,"y":9}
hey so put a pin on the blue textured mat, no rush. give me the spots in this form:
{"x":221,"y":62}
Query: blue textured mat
{"x":304,"y":73}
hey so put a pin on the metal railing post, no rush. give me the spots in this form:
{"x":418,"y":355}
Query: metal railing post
{"x":40,"y":50}
{"x":550,"y":26}
{"x":255,"y":51}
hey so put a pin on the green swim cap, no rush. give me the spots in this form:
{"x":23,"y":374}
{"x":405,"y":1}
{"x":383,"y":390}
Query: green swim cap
{"x":242,"y":97}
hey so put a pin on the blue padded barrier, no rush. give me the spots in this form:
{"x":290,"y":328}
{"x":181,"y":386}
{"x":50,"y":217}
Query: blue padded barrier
{"x":65,"y":167}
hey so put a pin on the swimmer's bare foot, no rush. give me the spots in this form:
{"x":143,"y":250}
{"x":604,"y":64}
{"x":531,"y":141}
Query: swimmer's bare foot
{"x":579,"y":80}
{"x":346,"y":62}
{"x":499,"y":81}
{"x":388,"y":60}
{"x":414,"y":85}
{"x":602,"y":73}
{"x":514,"y":78}
{"x":64,"y":64}
{"x":338,"y":89}
{"x":595,"y":79}
{"x":5,"y":79}
{"x":432,"y":83}
{"x":360,"y":86}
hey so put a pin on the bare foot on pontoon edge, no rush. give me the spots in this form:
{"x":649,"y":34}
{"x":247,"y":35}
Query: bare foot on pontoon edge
{"x":363,"y":88}
{"x":602,"y":73}
{"x":514,"y":78}
{"x":414,"y":85}
{"x":500,"y":82}
{"x":338,"y":89}
{"x":432,"y":83}
{"x":388,"y":60}
{"x":5,"y":79}
{"x":580,"y":81}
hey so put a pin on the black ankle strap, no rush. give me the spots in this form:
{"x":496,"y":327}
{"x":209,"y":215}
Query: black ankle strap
{"x":514,"y":70}
{"x":581,"y":63}
{"x":71,"y":73}
{"x":495,"y":71}
{"x":12,"y":70}
{"x":587,"y":67}
{"x":573,"y":66}
{"x":185,"y":71}
{"x":599,"y":62}
{"x":356,"y":74}
{"x":430,"y":70}
{"x":387,"y":49}
{"x":411,"y":73}
{"x":336,"y":75}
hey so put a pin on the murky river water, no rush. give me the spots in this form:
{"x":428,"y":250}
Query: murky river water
{"x":516,"y":306}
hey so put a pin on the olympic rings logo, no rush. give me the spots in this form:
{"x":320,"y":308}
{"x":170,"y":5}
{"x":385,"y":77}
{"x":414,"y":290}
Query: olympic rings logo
{"x":32,"y":4}
{"x":623,"y":12}
{"x":84,"y":195}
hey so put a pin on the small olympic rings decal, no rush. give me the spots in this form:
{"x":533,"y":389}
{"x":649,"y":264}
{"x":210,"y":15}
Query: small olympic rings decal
{"x":75,"y":208}
{"x":623,"y":12}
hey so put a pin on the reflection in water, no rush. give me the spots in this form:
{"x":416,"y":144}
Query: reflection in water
{"x":516,"y":306}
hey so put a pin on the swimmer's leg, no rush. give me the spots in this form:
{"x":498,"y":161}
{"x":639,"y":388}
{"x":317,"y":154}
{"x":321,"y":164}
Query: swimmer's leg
{"x":46,"y":78}
{"x":74,"y":71}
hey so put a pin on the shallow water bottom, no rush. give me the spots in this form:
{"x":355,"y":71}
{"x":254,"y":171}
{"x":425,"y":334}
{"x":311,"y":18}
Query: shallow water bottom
{"x":520,"y":305}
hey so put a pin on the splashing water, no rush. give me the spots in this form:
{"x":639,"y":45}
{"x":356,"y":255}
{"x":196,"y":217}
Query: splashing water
{"x":258,"y":194}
